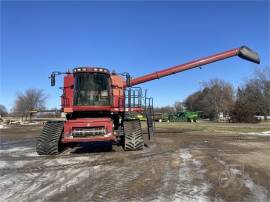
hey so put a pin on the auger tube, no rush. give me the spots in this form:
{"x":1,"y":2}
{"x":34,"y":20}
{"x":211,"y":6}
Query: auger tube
{"x":243,"y":52}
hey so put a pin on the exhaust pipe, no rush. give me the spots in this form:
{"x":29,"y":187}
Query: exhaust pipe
{"x":246,"y":53}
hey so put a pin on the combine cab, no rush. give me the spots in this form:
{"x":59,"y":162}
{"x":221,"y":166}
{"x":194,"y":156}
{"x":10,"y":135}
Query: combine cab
{"x":102,"y":106}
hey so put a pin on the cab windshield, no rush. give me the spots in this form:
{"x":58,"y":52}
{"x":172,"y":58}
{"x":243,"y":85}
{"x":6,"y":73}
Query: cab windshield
{"x":91,"y":89}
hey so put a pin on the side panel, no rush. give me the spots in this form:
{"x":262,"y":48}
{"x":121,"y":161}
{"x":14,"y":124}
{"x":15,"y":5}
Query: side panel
{"x":118,"y":93}
{"x":91,"y":108}
{"x":67,"y":97}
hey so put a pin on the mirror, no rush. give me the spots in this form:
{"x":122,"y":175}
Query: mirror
{"x":52,"y":79}
{"x":128,"y":79}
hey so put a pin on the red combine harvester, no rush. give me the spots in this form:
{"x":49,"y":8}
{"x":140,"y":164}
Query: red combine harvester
{"x":101,"y":106}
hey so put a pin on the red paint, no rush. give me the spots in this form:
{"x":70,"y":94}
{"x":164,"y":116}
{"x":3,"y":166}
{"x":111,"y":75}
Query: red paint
{"x":88,"y":122}
{"x":117,"y":90}
{"x":183,"y":67}
{"x":67,"y":96}
{"x":91,"y":108}
{"x":118,"y":85}
{"x":91,"y":139}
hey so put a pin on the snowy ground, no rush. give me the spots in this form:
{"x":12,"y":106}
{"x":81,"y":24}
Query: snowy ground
{"x":3,"y":126}
{"x":265,"y":133}
{"x":177,"y":166}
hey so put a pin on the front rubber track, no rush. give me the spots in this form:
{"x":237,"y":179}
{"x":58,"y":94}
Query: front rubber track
{"x":49,"y":142}
{"x":133,"y":135}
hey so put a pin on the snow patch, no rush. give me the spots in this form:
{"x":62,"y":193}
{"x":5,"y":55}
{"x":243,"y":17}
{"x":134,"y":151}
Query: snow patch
{"x":41,"y":186}
{"x":193,"y":185}
{"x":14,"y":149}
{"x":13,"y":164}
{"x":72,"y":160}
{"x":3,"y":164}
{"x":3,"y":127}
{"x":265,"y":133}
{"x":258,"y":192}
{"x":32,"y":154}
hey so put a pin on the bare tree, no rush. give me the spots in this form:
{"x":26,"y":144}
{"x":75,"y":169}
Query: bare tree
{"x":31,"y":100}
{"x":253,"y":98}
{"x":3,"y":110}
{"x":262,"y":81}
{"x":193,"y":102}
{"x":245,"y":107}
{"x":166,"y":109}
{"x":219,"y":97}
{"x":179,"y":107}
{"x":216,"y":96}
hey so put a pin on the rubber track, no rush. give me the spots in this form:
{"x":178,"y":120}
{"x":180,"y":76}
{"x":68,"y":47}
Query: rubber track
{"x":48,"y":141}
{"x":133,"y":135}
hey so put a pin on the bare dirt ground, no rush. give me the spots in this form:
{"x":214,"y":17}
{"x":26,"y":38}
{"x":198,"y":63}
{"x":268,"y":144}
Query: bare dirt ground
{"x":185,"y":162}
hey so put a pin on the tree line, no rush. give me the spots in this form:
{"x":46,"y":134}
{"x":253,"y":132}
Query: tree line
{"x":26,"y":103}
{"x":242,"y":104}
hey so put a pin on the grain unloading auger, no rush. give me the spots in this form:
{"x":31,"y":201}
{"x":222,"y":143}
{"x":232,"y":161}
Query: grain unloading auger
{"x":100,"y":105}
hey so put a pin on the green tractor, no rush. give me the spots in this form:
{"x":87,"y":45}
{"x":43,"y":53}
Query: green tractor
{"x":161,"y":117}
{"x":141,"y":117}
{"x":183,"y":117}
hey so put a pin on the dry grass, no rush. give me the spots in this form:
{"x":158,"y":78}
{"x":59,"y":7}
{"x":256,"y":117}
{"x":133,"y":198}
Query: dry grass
{"x":214,"y":127}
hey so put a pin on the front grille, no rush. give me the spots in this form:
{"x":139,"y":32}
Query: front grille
{"x":86,"y":132}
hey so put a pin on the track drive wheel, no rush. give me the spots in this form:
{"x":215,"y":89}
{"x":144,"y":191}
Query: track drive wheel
{"x":49,"y":142}
{"x":133,"y":135}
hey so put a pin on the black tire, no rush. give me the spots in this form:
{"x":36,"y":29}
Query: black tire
{"x":49,"y":142}
{"x":133,"y":135}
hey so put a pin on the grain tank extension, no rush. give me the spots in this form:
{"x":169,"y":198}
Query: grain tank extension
{"x":102,"y":106}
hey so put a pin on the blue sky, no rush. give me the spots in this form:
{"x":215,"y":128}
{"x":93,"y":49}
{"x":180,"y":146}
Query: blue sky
{"x":134,"y":37}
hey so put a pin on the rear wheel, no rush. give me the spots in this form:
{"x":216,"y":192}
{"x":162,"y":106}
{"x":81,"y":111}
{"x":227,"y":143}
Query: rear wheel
{"x":49,"y":141}
{"x":133,"y":135}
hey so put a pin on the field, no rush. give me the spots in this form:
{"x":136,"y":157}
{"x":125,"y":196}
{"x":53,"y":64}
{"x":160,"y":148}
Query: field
{"x":185,"y":162}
